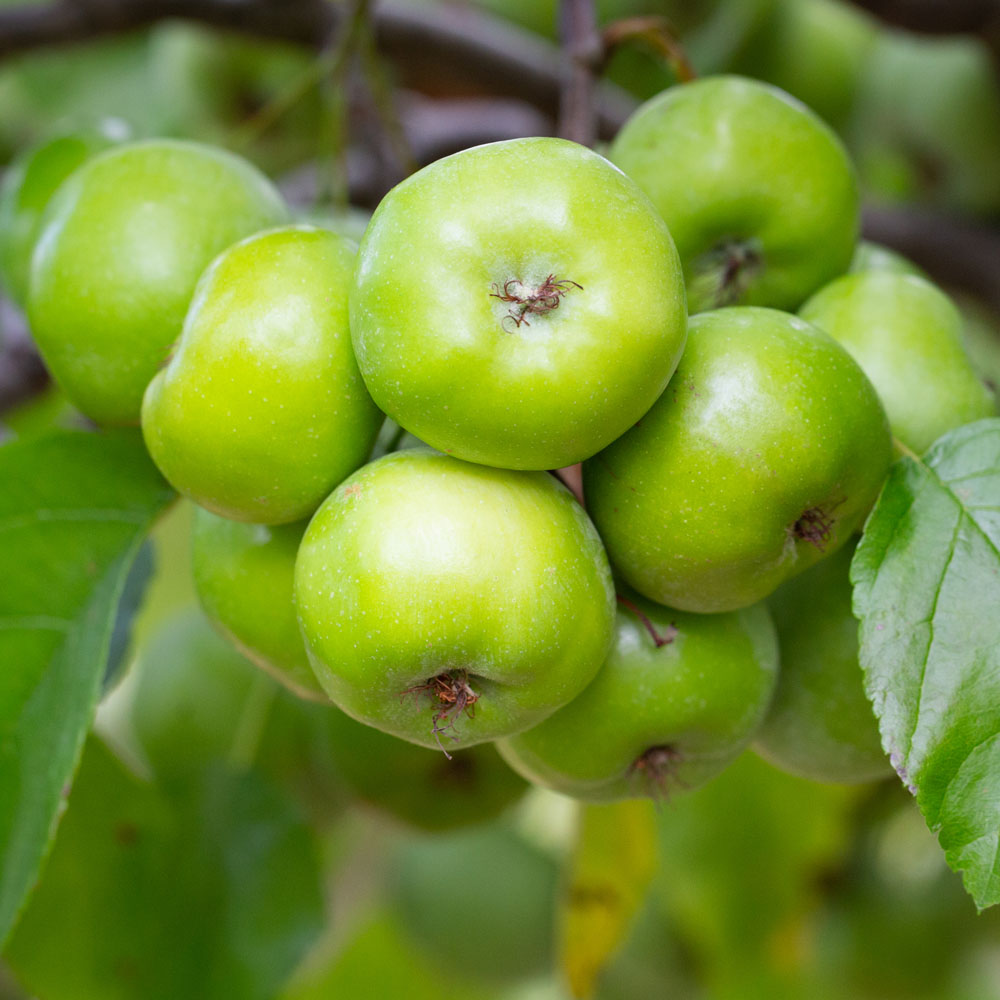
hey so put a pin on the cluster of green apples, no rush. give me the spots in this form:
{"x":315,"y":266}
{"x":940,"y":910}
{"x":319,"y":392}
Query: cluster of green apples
{"x":514,"y":309}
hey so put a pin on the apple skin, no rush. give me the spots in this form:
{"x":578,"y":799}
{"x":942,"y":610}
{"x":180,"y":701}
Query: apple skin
{"x":418,"y":786}
{"x":27,"y":187}
{"x":764,"y":454}
{"x":243,"y":574}
{"x":421,"y":566}
{"x":191,"y":690}
{"x":821,"y":724}
{"x":261,"y":411}
{"x":871,"y":256}
{"x":481,"y":901}
{"x":123,"y":244}
{"x":447,"y":359}
{"x":758,"y":193}
{"x":699,"y":698}
{"x":907,"y":336}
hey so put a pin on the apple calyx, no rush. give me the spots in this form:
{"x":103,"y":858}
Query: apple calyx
{"x":450,"y":696}
{"x":525,"y":298}
{"x":654,"y":769}
{"x":814,"y":526}
{"x":723,"y":273}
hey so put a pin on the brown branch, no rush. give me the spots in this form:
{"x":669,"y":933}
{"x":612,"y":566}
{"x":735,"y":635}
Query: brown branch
{"x":937,"y":17}
{"x":583,"y":52}
{"x":22,"y":374}
{"x":436,"y":48}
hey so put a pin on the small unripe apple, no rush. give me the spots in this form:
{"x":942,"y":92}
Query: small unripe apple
{"x":764,"y":454}
{"x":261,"y":410}
{"x":907,"y":336}
{"x":821,"y":724}
{"x":678,"y":698}
{"x":758,"y":193}
{"x":243,"y":574}
{"x":28,"y":186}
{"x":518,"y":304}
{"x":122,"y":246}
{"x":449,"y":603}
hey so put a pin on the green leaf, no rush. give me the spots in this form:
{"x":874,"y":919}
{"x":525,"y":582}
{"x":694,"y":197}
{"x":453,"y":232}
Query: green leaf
{"x":613,"y":864}
{"x":214,"y":895}
{"x":74,"y":509}
{"x":927,"y":591}
{"x":739,"y":859}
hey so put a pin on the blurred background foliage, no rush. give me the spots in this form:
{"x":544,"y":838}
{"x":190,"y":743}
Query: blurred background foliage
{"x":223,"y":839}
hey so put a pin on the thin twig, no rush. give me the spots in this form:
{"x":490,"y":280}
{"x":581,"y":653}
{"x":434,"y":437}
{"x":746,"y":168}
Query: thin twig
{"x":583,"y":52}
{"x":655,"y":32}
{"x":433,"y":46}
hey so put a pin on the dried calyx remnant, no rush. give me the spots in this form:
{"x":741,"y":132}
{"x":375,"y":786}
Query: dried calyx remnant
{"x":654,"y":770}
{"x":661,"y":637}
{"x":814,"y":526}
{"x":450,"y":696}
{"x":525,"y":299}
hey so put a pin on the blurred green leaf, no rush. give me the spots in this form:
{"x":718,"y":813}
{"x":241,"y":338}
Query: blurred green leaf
{"x":741,"y":860}
{"x":380,"y":961}
{"x":927,"y":591}
{"x":74,"y":509}
{"x":612,"y":866}
{"x":215,"y":895}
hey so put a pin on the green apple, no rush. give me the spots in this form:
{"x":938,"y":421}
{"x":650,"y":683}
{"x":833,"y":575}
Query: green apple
{"x":907,"y":335}
{"x":196,"y":703}
{"x":759,"y":194}
{"x":817,"y":50}
{"x":449,"y":603}
{"x":518,"y":304}
{"x":483,"y":901}
{"x":821,"y":724}
{"x":928,"y":127}
{"x":678,"y":698}
{"x":871,"y":256}
{"x":421,"y":787}
{"x":28,"y":185}
{"x":261,"y":410}
{"x":191,"y":692}
{"x":123,"y":243}
{"x":764,"y":454}
{"x":243,"y":574}
{"x":214,"y":82}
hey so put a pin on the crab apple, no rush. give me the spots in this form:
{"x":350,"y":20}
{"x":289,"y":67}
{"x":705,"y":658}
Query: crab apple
{"x":764,"y":454}
{"x":28,"y":186}
{"x":261,"y":410}
{"x":123,"y":243}
{"x":243,"y":575}
{"x":678,"y":698}
{"x":518,"y":304}
{"x":821,"y":724}
{"x":907,"y":335}
{"x":420,"y":787}
{"x":758,"y":192}
{"x":449,"y":603}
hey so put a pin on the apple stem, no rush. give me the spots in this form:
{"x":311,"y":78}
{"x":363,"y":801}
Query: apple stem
{"x":660,"y":639}
{"x":723,"y":273}
{"x":656,"y":31}
{"x":451,"y":694}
